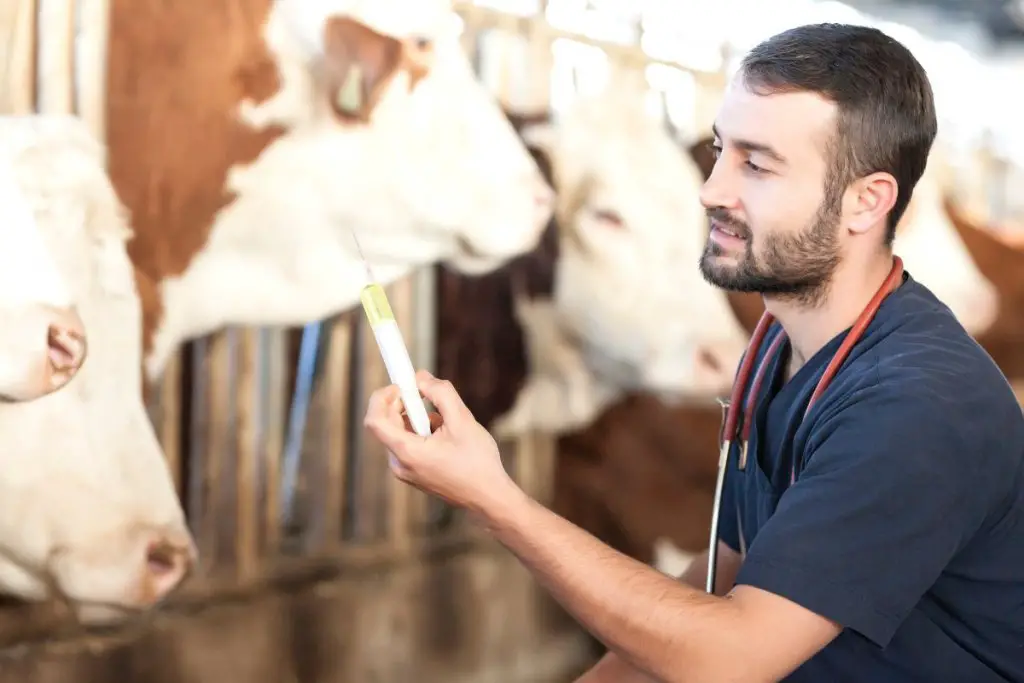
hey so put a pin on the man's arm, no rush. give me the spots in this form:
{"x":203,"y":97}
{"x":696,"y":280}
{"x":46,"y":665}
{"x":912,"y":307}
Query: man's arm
{"x":664,"y":628}
{"x":613,"y":669}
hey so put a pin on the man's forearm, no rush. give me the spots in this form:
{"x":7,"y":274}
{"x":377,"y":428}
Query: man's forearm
{"x":672,"y":631}
{"x":614,"y":669}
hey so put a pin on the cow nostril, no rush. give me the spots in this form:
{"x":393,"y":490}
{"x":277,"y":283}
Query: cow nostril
{"x":161,"y":559}
{"x":709,"y":360}
{"x":62,"y":347}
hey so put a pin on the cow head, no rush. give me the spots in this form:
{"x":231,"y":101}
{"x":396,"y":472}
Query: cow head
{"x":628,"y":290}
{"x":422,"y":161}
{"x":88,"y":510}
{"x":42,"y":339}
{"x":310,"y":120}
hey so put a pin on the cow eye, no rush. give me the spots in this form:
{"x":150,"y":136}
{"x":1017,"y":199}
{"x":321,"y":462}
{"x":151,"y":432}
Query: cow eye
{"x":610,"y":218}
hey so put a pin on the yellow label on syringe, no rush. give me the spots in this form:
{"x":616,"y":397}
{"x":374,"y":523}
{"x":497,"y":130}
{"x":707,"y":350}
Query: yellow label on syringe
{"x":395,"y":354}
{"x":375,"y":304}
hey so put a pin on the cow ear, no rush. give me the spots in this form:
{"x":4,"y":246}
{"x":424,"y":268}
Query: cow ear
{"x":358,"y":64}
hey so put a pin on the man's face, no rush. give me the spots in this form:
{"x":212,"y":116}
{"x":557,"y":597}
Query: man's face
{"x":774,"y":228}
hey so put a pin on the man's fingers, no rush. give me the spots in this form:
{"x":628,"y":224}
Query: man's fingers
{"x":442,"y":394}
{"x":384,"y":420}
{"x":382,"y":401}
{"x":398,"y":469}
{"x":435,"y":421}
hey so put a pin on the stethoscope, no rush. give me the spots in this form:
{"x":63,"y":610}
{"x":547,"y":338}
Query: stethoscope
{"x":731,"y":409}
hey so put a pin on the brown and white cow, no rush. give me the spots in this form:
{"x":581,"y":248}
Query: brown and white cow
{"x":629,"y":310}
{"x":88,"y":511}
{"x":249,"y":139}
{"x":42,"y":338}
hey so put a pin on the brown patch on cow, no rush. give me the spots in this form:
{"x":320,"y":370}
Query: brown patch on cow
{"x":176,"y":74}
{"x":354,"y":50}
{"x":418,"y":57}
{"x":1003,"y":265}
{"x":641,"y":471}
{"x":480,"y":346}
{"x":152,"y":311}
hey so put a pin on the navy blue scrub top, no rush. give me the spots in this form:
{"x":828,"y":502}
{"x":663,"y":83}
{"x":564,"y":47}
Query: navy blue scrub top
{"x":906,"y":521}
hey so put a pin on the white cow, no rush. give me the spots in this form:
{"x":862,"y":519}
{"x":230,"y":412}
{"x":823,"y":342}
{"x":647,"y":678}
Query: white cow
{"x":88,"y":511}
{"x":42,"y":339}
{"x":934,"y":254}
{"x":332,"y":116}
{"x":630,"y":309}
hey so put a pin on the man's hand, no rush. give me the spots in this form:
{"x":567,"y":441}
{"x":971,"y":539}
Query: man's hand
{"x":459,"y":461}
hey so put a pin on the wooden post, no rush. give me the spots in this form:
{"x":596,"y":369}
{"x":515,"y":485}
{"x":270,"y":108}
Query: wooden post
{"x":17,"y":56}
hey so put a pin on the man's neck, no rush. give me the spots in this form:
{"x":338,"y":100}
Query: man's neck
{"x":810,"y":327}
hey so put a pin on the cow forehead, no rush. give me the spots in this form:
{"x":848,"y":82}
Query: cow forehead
{"x":634,"y":168}
{"x":432,"y":19}
{"x":61,"y":172}
{"x":614,"y":139}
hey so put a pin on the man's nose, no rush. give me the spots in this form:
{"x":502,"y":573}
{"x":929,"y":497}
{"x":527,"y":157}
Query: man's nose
{"x":718,"y":190}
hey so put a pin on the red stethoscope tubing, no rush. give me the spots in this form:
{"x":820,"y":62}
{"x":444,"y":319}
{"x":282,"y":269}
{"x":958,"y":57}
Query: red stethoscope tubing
{"x":732,"y":409}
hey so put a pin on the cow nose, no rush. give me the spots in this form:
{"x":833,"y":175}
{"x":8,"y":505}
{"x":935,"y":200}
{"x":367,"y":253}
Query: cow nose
{"x":169,"y":559}
{"x":65,"y":345}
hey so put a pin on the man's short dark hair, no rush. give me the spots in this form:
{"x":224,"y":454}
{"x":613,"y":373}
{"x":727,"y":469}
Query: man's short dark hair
{"x":886,"y":110}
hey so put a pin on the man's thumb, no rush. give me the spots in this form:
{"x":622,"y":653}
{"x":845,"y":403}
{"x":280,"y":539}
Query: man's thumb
{"x":394,"y":437}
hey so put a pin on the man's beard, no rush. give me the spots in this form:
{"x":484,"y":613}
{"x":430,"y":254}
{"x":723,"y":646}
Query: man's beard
{"x":796,"y":268}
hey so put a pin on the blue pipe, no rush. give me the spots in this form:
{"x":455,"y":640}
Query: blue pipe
{"x":304,"y":376}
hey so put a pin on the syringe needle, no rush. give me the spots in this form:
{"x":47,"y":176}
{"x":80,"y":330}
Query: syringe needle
{"x":362,"y":257}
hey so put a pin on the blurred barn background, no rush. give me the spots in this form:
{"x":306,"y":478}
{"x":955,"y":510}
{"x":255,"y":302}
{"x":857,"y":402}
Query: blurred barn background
{"x":367,"y":580}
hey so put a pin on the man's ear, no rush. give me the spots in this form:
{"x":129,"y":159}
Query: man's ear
{"x":870,"y":199}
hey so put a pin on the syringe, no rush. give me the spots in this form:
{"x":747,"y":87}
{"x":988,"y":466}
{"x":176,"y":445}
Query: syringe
{"x":392,"y":347}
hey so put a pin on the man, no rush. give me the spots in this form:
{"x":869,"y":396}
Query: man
{"x":884,"y":530}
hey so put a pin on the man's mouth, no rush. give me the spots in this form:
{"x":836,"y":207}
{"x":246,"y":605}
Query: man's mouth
{"x":725,"y":230}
